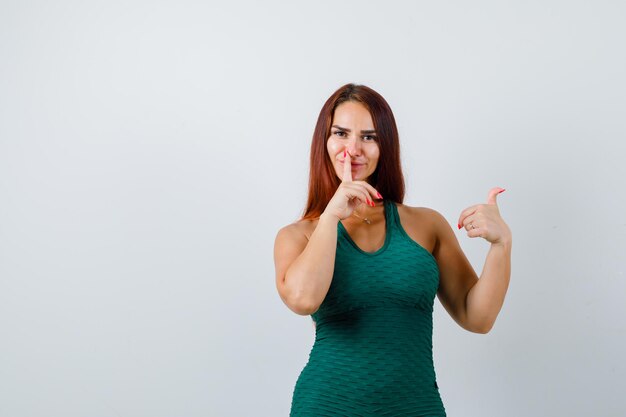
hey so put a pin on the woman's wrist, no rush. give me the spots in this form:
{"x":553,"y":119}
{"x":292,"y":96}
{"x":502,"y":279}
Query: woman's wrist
{"x":504,"y":243}
{"x":329,"y":216}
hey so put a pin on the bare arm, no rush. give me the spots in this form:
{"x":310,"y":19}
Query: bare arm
{"x":304,"y":270}
{"x":485,"y":299}
{"x":474,"y":302}
{"x":456,"y":275}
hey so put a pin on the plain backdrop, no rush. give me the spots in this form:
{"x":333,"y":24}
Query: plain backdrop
{"x":151,"y":150}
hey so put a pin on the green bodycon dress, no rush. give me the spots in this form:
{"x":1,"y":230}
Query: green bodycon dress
{"x":372,"y":354}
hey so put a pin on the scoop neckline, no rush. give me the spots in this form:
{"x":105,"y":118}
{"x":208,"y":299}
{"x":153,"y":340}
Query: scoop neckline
{"x":387,"y":211}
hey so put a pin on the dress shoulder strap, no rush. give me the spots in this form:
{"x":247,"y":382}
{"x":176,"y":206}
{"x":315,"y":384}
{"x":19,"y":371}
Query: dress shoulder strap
{"x":391,"y":214}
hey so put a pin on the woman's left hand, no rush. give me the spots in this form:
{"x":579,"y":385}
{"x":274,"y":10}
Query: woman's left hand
{"x":484,"y":220}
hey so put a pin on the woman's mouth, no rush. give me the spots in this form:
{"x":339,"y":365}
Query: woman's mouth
{"x":354,"y":165}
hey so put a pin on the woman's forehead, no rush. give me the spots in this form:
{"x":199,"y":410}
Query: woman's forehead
{"x":353,"y":113}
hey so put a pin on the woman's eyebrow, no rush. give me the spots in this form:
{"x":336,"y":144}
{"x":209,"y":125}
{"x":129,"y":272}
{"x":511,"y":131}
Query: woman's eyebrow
{"x":348,"y":130}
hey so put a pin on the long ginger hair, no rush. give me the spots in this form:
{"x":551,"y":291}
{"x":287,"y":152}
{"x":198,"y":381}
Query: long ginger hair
{"x":387,"y":178}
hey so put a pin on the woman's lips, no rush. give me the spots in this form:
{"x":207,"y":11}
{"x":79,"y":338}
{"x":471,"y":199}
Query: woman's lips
{"x":354,"y":165}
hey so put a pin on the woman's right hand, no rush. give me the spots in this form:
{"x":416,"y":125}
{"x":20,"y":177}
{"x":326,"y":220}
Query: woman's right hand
{"x":350,"y":194}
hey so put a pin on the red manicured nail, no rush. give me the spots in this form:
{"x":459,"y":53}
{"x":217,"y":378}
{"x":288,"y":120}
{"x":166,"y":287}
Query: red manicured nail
{"x":379,"y":196}
{"x":344,"y":153}
{"x":459,"y":225}
{"x":503,"y":190}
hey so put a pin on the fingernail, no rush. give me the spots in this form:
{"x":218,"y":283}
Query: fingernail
{"x":344,"y":153}
{"x":503,"y":190}
{"x":459,"y":225}
{"x":379,"y":196}
{"x":373,"y":204}
{"x":369,"y":203}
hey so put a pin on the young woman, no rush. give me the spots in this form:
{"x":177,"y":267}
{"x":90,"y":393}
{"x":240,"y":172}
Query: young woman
{"x":367,"y":269}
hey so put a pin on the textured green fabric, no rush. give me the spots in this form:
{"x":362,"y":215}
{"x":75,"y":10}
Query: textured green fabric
{"x":372,"y":354}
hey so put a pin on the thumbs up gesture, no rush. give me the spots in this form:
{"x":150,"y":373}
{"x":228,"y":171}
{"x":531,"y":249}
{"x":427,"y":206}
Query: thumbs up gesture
{"x":484,"y":220}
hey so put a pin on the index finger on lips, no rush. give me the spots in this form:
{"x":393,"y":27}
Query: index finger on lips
{"x":347,"y":166}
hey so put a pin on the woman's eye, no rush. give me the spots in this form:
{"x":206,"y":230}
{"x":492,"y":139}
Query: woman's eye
{"x":368,"y":138}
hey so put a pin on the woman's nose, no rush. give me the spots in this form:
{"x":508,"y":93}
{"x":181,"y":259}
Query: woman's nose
{"x":354,"y":147}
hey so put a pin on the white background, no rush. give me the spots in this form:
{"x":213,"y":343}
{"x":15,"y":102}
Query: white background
{"x":150,"y":151}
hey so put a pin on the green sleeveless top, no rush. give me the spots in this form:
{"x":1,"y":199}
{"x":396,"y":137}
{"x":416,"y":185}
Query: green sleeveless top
{"x":372,"y":354}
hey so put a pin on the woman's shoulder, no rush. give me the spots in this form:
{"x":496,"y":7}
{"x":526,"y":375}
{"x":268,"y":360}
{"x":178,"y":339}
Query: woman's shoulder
{"x":299,"y":228}
{"x":420,"y":214}
{"x":422,"y":224}
{"x":418,"y":210}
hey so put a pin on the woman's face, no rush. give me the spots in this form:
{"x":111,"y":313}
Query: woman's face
{"x":352,"y":128}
